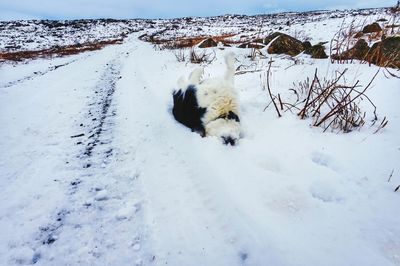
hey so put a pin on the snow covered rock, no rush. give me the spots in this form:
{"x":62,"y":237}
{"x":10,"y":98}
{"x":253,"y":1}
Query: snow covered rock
{"x":284,"y":44}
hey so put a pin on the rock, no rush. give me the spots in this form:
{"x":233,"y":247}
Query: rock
{"x":251,"y":45}
{"x":374,"y":27}
{"x":307,"y":45}
{"x":258,"y":40}
{"x":358,"y":35}
{"x":316,"y":51}
{"x":272,"y":36}
{"x":359,"y":51}
{"x":386,"y":53}
{"x":284,"y":44}
{"x":207,"y":43}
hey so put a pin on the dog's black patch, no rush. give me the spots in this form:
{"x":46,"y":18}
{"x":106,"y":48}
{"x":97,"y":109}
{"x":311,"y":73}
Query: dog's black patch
{"x":186,"y":109}
{"x":230,"y":116}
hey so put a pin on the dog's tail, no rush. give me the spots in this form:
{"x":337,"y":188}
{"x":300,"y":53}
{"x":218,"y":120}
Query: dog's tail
{"x":230,"y":67}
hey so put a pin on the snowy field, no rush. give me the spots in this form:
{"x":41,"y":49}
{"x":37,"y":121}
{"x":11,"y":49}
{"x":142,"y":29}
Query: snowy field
{"x":94,"y":169}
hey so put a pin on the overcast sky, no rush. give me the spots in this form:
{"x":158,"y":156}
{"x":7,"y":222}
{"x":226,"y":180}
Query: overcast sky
{"x":74,"y":9}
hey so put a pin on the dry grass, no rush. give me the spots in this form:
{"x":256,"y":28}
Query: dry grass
{"x":332,"y":104}
{"x":57,"y":51}
{"x":345,"y":39}
{"x":180,"y":55}
{"x":184,"y":42}
{"x":194,"y":55}
{"x":201,"y":57}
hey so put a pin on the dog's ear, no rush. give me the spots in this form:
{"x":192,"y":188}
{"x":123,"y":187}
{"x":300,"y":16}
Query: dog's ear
{"x":195,"y":76}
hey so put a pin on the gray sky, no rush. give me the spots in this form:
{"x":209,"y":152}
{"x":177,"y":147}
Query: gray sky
{"x":73,"y":9}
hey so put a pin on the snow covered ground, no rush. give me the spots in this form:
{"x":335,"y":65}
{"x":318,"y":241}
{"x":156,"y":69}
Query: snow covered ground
{"x":95,"y":170}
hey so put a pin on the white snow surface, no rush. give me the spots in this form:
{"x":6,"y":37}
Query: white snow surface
{"x":94,"y":169}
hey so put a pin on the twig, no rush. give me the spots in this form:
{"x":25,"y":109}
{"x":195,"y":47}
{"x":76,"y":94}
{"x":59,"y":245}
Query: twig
{"x":302,"y":113}
{"x":269,"y":89}
{"x":280,"y":101}
{"x":390,"y":176}
{"x":382,"y":125}
{"x":77,"y":136}
{"x":328,"y":88}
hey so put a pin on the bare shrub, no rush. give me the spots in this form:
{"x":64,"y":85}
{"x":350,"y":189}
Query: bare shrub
{"x":332,"y":104}
{"x":344,"y":39}
{"x":201,"y":57}
{"x":180,"y":55}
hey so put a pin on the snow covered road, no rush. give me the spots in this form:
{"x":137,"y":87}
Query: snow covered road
{"x":95,"y":171}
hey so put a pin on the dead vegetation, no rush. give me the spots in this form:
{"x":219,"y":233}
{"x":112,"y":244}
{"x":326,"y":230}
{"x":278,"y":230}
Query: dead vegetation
{"x":57,"y":51}
{"x":194,"y":56}
{"x":266,"y":86}
{"x":330,"y":103}
{"x":333,"y":104}
{"x":201,"y":57}
{"x":186,"y":42}
{"x":353,"y":41}
{"x":181,"y":55}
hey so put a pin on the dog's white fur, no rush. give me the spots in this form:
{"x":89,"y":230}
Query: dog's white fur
{"x":218,"y":96}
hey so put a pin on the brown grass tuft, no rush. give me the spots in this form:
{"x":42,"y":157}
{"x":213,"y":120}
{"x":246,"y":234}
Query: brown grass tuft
{"x":57,"y":51}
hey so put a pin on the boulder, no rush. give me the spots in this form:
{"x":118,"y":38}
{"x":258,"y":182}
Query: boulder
{"x":385,"y":53}
{"x":359,"y":51}
{"x":307,"y":45}
{"x":374,"y":27}
{"x":284,"y":44}
{"x":316,"y":51}
{"x":358,"y":34}
{"x":207,"y":43}
{"x":272,"y":36}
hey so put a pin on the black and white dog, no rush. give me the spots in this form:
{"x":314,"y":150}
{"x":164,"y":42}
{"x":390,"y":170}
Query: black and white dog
{"x":209,"y":106}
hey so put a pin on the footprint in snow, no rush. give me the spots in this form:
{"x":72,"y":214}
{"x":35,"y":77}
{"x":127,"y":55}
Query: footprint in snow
{"x":102,"y":195}
{"x":326,"y":191}
{"x":322,"y":159}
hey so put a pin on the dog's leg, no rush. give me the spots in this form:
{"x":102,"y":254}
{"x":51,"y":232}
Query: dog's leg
{"x":230,"y":68}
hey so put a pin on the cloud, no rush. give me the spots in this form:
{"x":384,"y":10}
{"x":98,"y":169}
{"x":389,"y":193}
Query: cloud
{"x":74,"y":9}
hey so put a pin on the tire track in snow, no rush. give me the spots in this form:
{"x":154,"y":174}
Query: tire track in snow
{"x":39,"y":118}
{"x":97,"y":115}
{"x":102,"y":207}
{"x":41,"y":72}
